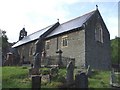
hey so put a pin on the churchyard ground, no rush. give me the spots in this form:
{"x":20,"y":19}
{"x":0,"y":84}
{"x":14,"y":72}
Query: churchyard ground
{"x":17,"y":77}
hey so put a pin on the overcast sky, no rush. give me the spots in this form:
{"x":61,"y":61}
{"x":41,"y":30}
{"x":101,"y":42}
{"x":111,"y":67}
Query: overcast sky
{"x":37,"y":14}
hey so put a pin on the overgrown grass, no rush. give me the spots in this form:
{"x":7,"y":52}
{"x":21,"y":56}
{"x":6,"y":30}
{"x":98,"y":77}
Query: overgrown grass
{"x":100,"y":79}
{"x":56,"y":81}
{"x":17,"y":77}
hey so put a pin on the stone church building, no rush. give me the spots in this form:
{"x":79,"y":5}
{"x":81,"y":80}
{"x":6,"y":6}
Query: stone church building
{"x":85,"y":38}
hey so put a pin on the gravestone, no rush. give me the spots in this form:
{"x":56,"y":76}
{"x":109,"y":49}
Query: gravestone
{"x":36,"y":78}
{"x":34,"y":70}
{"x":38,"y":53}
{"x":36,"y":82}
{"x":70,"y":73}
{"x":37,"y":61}
{"x":37,"y":56}
{"x":54,"y":71}
{"x":81,"y":80}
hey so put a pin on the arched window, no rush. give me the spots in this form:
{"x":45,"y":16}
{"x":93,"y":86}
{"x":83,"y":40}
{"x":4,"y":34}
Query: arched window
{"x":99,"y":33}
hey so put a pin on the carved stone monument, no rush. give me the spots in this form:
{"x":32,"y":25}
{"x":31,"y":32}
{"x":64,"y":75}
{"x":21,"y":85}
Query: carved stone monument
{"x":36,"y":78}
{"x":70,"y":73}
{"x":37,"y":61}
{"x":38,"y":53}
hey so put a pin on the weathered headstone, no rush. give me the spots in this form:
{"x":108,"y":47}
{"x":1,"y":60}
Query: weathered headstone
{"x":37,"y":61}
{"x":70,"y":73}
{"x":54,"y":71}
{"x":37,"y":54}
{"x":36,"y":82}
{"x":81,"y":80}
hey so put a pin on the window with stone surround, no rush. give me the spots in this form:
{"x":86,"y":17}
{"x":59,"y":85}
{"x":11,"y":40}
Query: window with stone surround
{"x":99,"y":33}
{"x":65,"y":41}
{"x":47,"y":44}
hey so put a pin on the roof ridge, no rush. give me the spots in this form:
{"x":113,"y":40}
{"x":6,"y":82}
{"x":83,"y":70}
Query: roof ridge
{"x":64,"y":22}
{"x":39,"y":30}
{"x":79,"y":17}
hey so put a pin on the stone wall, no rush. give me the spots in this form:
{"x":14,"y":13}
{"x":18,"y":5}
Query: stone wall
{"x":97,"y":54}
{"x":27,"y":51}
{"x":75,"y":48}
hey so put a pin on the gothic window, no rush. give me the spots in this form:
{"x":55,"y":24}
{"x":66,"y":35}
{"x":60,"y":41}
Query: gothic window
{"x":65,"y":41}
{"x":48,"y":44}
{"x":98,"y":33}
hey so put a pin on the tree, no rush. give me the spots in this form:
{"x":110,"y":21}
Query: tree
{"x":5,"y":45}
{"x":115,"y":50}
{"x":4,"y":40}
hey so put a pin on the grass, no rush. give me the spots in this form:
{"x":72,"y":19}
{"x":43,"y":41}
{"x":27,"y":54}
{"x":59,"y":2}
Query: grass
{"x":57,"y":80}
{"x":17,"y":77}
{"x":0,"y":78}
{"x":100,"y":79}
{"x":118,"y":77}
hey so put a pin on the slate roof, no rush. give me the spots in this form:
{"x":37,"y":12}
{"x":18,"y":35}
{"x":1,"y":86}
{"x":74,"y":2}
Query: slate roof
{"x":72,"y":24}
{"x":32,"y":36}
{"x":65,"y":27}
